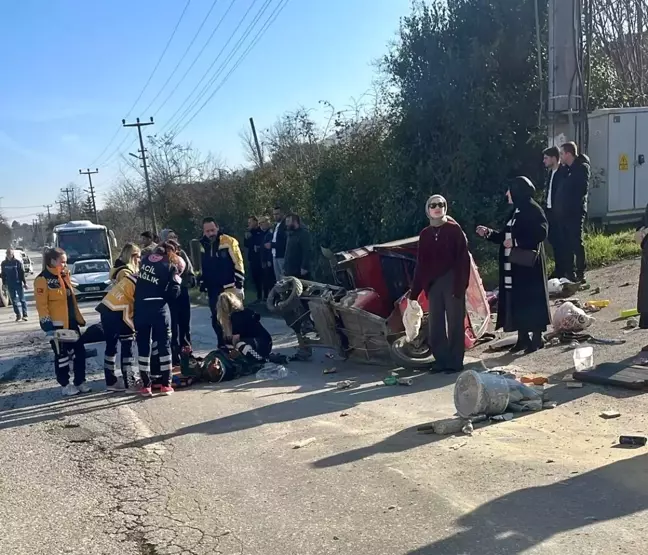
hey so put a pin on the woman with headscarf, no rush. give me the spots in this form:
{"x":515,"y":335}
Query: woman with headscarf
{"x":443,"y":271}
{"x":523,"y":296}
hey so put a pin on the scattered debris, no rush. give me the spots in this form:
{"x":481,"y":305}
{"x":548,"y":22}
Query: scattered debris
{"x":304,"y":443}
{"x":629,"y":312}
{"x":444,"y":427}
{"x":574,"y":345}
{"x":330,"y":355}
{"x":627,"y":284}
{"x":502,"y":417}
{"x":405,"y":381}
{"x":345,"y":384}
{"x":607,"y":414}
{"x":570,"y":318}
{"x":468,"y":429}
{"x":330,"y":370}
{"x":458,"y":445}
{"x":574,"y":385}
{"x":549,"y":404}
{"x":390,"y":380}
{"x":598,"y":303}
{"x":391,"y":507}
{"x":534,"y":380}
{"x":583,"y":359}
{"x":632,"y":323}
{"x":596,"y":291}
{"x":635,"y":441}
{"x":344,"y":414}
{"x":549,"y":461}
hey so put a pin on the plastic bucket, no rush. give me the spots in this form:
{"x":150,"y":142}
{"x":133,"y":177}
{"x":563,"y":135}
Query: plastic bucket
{"x":583,"y":359}
{"x":478,"y":393}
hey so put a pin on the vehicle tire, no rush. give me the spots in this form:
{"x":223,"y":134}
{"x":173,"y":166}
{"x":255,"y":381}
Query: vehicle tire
{"x":285,"y":295}
{"x":409,"y":356}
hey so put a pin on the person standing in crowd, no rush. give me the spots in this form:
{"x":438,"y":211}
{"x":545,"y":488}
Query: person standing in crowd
{"x":57,"y":309}
{"x":523,"y":296}
{"x":241,"y":328}
{"x":572,"y":206}
{"x":13,"y":278}
{"x":116,"y":312}
{"x":158,"y":285}
{"x":443,"y":272}
{"x":279,"y":242}
{"x":147,"y":242}
{"x":221,"y":266}
{"x":254,"y":245}
{"x":266,"y":257}
{"x":554,"y":183}
{"x":127,"y":263}
{"x":297,"y":257}
{"x":642,"y":291}
{"x":180,"y":308}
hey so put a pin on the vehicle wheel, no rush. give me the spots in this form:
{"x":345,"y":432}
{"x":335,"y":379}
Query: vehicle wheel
{"x":285,"y":295}
{"x":409,"y":355}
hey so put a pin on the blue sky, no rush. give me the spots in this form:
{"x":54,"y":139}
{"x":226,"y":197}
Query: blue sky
{"x":72,"y":69}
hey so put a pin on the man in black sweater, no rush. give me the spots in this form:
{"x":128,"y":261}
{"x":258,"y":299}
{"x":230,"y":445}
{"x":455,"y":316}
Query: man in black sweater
{"x":572,"y":206}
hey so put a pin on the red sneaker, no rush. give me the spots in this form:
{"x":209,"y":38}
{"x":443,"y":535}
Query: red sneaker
{"x":166,"y":390}
{"x":146,"y":392}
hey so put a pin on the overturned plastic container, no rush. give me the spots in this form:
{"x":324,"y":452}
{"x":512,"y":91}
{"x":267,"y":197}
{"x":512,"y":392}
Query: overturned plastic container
{"x":583,"y":359}
{"x":479,"y":393}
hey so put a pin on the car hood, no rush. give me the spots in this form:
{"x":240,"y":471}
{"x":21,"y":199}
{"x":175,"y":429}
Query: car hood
{"x":95,"y":278}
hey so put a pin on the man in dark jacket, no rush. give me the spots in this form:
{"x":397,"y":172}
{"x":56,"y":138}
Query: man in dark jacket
{"x":267,"y":261}
{"x":254,"y":245}
{"x":572,"y":209}
{"x":221,"y":266}
{"x":279,"y":242}
{"x":555,"y":177}
{"x":297,"y":261}
{"x":13,"y":278}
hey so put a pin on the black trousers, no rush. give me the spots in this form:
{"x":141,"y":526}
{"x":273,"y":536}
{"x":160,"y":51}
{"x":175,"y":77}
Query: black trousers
{"x":153,"y":325}
{"x":269,"y":278}
{"x":256,"y":270}
{"x":180,"y":324}
{"x":116,"y":331}
{"x":572,"y":230}
{"x":446,"y":334}
{"x":557,"y":243}
{"x":69,"y":355}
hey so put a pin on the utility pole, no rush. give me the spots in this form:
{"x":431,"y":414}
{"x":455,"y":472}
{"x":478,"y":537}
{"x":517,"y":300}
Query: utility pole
{"x":91,"y":191}
{"x":142,"y":150}
{"x":49,"y":216}
{"x":566,"y":118}
{"x":256,"y":142}
{"x":67,"y":192}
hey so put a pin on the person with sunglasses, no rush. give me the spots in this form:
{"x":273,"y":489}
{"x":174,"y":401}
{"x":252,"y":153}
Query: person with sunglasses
{"x":443,"y":272}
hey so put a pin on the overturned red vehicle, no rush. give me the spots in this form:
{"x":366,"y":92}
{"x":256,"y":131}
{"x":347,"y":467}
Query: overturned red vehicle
{"x":361,"y":315}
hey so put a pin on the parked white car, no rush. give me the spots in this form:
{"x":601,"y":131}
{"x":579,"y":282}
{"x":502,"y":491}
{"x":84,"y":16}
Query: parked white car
{"x":27,"y":263}
{"x":90,"y":278}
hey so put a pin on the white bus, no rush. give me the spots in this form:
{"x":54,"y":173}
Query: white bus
{"x":83,"y":240}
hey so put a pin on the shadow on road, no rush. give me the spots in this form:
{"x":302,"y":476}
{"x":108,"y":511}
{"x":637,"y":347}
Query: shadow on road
{"x":316,"y":404}
{"x":520,"y":520}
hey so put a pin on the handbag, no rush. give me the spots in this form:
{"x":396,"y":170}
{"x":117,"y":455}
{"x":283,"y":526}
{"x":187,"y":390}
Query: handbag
{"x":523,"y":257}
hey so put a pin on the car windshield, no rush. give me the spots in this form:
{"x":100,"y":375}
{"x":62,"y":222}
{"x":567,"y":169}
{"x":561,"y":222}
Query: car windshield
{"x":84,"y":244}
{"x":91,"y":267}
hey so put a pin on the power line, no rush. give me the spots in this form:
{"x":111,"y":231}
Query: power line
{"x":202,"y":79}
{"x":166,"y":47}
{"x":193,"y":40}
{"x":91,"y":191}
{"x":273,"y":16}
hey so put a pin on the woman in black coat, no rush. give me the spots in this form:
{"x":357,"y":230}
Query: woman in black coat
{"x":523,"y":296}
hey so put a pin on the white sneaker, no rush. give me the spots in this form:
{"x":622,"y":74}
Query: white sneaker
{"x":117,"y":386}
{"x":70,"y":390}
{"x":84,"y":388}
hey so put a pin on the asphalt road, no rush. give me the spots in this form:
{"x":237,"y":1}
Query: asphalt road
{"x":215,"y":469}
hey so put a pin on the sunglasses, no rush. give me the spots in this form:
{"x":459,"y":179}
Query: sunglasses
{"x":434,"y":205}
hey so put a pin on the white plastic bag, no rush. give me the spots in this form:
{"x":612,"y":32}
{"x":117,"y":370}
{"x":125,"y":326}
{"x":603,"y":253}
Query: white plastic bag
{"x":412,"y":318}
{"x":569,"y":317}
{"x":554,"y":286}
